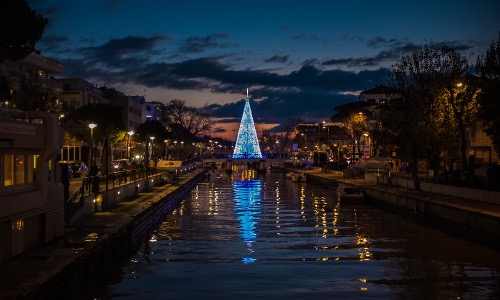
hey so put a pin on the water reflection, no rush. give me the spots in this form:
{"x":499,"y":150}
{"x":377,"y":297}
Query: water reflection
{"x":247,"y":196}
{"x":305,"y":245}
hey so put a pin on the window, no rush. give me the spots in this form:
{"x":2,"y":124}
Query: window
{"x":8,"y":170}
{"x":19,"y":169}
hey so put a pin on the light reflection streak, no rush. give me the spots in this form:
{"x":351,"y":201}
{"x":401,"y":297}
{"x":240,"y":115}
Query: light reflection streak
{"x":247,"y":195}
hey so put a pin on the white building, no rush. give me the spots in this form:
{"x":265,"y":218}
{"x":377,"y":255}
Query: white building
{"x":77,"y":92}
{"x":31,"y":198}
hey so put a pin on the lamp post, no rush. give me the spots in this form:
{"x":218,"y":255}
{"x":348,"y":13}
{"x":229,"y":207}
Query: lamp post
{"x":278,"y":148}
{"x":166,"y":148}
{"x":182,"y":144}
{"x":92,"y":126}
{"x":177,"y":146}
{"x":59,"y":119}
{"x":369,"y":146}
{"x":338,"y":156}
{"x":152,"y":138}
{"x":130,"y":133}
{"x":148,"y":165}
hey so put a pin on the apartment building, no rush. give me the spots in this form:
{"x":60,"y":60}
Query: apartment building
{"x":31,"y":192}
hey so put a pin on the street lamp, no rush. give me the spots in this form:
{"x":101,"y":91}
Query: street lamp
{"x":182,"y":144}
{"x":130,"y":133}
{"x":152,"y":138}
{"x":338,"y":158}
{"x":166,"y":148}
{"x":92,"y":126}
{"x":60,"y":117}
{"x":177,"y":146}
{"x":369,"y":146}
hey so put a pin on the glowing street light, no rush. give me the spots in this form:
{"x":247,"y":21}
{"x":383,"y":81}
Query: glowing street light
{"x":166,"y":148}
{"x":92,"y":126}
{"x":152,"y":138}
{"x":177,"y":146}
{"x":130,"y":134}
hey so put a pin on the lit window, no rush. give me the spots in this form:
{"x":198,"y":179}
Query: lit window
{"x":8,"y":170}
{"x":19,"y":168}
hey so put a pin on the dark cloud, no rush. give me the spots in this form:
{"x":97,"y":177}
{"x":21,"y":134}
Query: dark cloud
{"x":219,"y":130}
{"x":278,"y":58}
{"x":395,"y":49}
{"x":197,"y":44}
{"x":380,"y":42}
{"x":53,"y":42}
{"x":310,"y":92}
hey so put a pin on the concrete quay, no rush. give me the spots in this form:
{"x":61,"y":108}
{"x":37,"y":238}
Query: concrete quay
{"x":471,"y":215}
{"x":91,"y":247}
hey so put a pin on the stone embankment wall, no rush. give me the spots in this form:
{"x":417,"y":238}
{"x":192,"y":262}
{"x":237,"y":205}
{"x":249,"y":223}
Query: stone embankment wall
{"x":459,"y":208}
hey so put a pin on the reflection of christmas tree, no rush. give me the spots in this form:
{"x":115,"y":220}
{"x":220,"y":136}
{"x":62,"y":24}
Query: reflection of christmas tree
{"x":247,"y":144}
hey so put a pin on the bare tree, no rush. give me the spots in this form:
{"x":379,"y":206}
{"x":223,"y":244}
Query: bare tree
{"x":189,"y":119}
{"x":488,"y":68}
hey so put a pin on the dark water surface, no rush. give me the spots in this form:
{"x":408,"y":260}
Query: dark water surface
{"x":250,"y":236}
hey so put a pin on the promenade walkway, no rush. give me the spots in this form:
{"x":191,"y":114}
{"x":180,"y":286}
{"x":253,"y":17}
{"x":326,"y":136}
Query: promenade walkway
{"x":482,"y":218}
{"x":37,"y":273}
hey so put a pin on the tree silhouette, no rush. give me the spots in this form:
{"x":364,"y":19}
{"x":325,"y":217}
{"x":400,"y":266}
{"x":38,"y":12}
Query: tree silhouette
{"x":21,"y":27}
{"x":488,"y":68}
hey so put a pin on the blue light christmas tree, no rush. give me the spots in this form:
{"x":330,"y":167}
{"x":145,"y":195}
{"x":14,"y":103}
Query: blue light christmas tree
{"x":247,"y":144}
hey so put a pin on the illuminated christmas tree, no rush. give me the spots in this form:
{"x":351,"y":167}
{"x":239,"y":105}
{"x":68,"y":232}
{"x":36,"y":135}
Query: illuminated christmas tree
{"x":247,"y":144}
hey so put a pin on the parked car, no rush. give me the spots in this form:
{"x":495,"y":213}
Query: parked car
{"x":66,"y":165}
{"x":406,"y":167}
{"x":120,"y":165}
{"x":77,"y":168}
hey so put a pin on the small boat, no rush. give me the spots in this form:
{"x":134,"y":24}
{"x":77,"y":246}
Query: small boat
{"x":296,"y":176}
{"x":351,"y":193}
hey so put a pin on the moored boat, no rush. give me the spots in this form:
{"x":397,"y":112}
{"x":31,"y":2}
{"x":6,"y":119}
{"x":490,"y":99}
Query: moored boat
{"x":350,"y":193}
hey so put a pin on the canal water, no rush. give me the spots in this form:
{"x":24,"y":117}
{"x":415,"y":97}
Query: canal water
{"x":261,"y":236}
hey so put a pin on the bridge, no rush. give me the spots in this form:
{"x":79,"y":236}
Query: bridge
{"x":254,"y":163}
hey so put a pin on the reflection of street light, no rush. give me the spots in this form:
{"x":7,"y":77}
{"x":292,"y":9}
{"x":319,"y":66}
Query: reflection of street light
{"x":92,"y":126}
{"x":130,"y":133}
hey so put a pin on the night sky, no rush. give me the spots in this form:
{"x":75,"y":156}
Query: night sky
{"x":298,"y":58}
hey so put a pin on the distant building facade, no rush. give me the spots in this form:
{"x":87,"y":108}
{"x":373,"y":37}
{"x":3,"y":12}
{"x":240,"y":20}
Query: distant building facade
{"x":30,"y":83}
{"x":77,"y":92}
{"x":153,"y":111}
